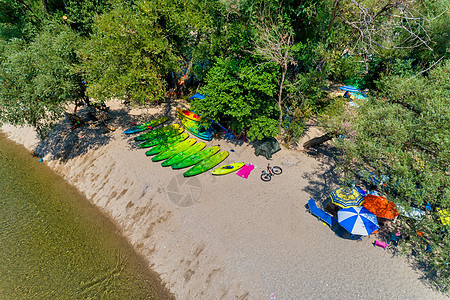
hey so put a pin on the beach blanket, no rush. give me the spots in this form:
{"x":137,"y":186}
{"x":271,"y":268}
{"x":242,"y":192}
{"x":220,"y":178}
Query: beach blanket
{"x":245,"y":170}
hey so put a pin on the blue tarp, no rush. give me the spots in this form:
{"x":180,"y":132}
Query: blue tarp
{"x":349,"y":88}
{"x":197,"y":96}
{"x":321,"y":214}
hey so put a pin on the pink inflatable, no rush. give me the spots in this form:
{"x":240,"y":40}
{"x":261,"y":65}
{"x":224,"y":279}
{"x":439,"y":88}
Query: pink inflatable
{"x":380,"y":244}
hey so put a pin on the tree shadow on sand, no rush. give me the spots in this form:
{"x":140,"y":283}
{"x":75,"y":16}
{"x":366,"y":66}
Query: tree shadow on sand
{"x":122,"y":119}
{"x":322,"y":182}
{"x":68,"y":140}
{"x":320,"y":189}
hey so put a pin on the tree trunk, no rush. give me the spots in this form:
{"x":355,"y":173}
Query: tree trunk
{"x":185,"y":78}
{"x":333,"y":15}
{"x":318,"y":140}
{"x":280,"y":95}
{"x":44,"y":5}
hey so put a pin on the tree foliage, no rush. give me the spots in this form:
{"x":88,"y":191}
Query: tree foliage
{"x":240,"y":93}
{"x":128,"y":54}
{"x":406,"y":137}
{"x":81,"y":15}
{"x":19,"y":19}
{"x":37,"y":78}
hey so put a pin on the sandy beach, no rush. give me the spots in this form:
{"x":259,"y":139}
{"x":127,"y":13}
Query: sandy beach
{"x":225,"y":237}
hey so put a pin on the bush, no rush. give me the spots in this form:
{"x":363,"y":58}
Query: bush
{"x":240,"y":93}
{"x":406,"y":136}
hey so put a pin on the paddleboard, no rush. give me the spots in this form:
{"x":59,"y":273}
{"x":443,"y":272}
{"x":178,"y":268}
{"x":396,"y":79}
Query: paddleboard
{"x":228,"y":168}
{"x":197,"y":157}
{"x":206,"y":164}
{"x":163,"y":137}
{"x":189,"y":114}
{"x":182,"y":155}
{"x":150,"y":134}
{"x":196,"y":128}
{"x":146,"y":125}
{"x":174,"y":150}
{"x":166,"y":145}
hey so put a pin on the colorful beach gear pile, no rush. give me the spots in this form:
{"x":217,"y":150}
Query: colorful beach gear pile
{"x":358,"y":215}
{"x":171,"y":145}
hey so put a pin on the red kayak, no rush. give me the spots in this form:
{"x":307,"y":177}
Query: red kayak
{"x":189,"y":114}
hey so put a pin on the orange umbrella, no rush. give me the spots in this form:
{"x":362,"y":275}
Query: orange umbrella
{"x":380,"y":206}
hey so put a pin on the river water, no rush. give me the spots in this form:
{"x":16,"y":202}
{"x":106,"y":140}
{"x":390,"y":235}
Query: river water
{"x":54,"y":244}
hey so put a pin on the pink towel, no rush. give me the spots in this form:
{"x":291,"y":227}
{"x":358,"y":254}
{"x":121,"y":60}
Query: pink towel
{"x":245,"y":170}
{"x":380,"y":244}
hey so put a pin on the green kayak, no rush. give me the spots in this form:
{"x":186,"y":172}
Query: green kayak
{"x":146,"y":125}
{"x":150,"y":134}
{"x":182,"y":155}
{"x":197,"y":157}
{"x":167,"y":144}
{"x":174,"y":150}
{"x":206,"y":164}
{"x":161,"y":138}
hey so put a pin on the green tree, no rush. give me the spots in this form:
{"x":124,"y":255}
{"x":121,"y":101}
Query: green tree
{"x":80,"y":15}
{"x":274,"y":43}
{"x":38,"y":78}
{"x":240,"y":94}
{"x":24,"y":18}
{"x":128,"y":54}
{"x":19,"y":19}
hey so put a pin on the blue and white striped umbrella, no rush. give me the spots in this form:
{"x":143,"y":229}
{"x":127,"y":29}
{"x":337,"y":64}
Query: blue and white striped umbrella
{"x":358,"y":220}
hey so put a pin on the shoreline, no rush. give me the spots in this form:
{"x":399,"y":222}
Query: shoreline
{"x":224,"y":237}
{"x":62,"y":238}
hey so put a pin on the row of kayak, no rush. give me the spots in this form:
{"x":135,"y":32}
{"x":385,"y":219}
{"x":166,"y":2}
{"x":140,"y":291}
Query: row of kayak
{"x":171,"y":145}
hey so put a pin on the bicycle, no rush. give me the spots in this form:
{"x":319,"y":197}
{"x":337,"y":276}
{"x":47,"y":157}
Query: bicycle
{"x":267,"y":174}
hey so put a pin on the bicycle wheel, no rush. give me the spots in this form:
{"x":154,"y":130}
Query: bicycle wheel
{"x":277,"y":170}
{"x":265,"y":176}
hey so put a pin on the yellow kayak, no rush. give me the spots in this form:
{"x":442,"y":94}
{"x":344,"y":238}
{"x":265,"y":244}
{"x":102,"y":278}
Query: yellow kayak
{"x":228,"y":168}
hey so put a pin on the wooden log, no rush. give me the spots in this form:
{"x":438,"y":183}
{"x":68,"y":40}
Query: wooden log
{"x":318,"y":140}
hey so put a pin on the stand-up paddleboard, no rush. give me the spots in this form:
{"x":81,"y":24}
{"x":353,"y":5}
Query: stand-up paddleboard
{"x":228,"y":168}
{"x":174,"y":150}
{"x":197,"y":157}
{"x":149,"y":135}
{"x":146,"y":125}
{"x":196,"y":128}
{"x":182,"y":155}
{"x":161,"y":138}
{"x":206,"y":164}
{"x":189,"y":114}
{"x":166,"y":145}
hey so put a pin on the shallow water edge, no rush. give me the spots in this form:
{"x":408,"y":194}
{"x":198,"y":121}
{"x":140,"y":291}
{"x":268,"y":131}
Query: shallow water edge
{"x":55,"y":243}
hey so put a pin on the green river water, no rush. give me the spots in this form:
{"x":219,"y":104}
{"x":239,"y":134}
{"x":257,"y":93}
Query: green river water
{"x":54,"y":244}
